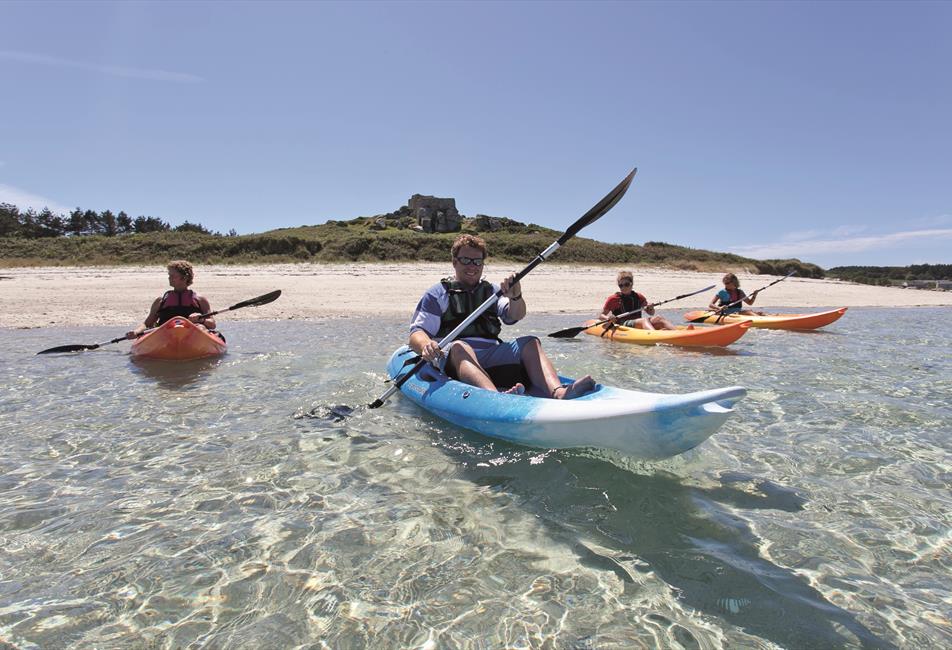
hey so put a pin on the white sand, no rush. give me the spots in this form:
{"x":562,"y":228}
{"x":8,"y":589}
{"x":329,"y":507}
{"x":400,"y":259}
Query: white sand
{"x":121,"y":296}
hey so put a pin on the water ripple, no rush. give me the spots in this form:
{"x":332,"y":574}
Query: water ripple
{"x":254,"y":501}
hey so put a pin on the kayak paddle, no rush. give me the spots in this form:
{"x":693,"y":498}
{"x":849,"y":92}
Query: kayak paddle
{"x":572,"y":332}
{"x":721,"y":312}
{"x":254,"y":302}
{"x":597,"y":211}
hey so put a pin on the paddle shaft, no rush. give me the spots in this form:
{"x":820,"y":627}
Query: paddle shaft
{"x":720,"y":312}
{"x":599,"y":209}
{"x":654,"y":304}
{"x":253,"y":302}
{"x":573,"y":331}
{"x":449,"y":338}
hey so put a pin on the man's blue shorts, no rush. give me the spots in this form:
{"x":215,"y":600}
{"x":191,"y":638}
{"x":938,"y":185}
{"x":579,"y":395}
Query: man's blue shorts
{"x":501,"y":361}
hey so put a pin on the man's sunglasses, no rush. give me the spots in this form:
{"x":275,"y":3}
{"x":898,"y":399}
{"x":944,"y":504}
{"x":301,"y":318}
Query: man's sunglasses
{"x":622,"y":285}
{"x":470,"y":261}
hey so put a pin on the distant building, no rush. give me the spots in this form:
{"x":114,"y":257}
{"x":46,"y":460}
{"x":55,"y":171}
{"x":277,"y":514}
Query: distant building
{"x":435,"y":214}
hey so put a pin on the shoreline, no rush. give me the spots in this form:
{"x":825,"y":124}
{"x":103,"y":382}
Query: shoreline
{"x":121,"y":295}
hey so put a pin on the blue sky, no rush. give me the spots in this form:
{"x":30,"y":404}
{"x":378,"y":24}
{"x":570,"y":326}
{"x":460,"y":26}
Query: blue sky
{"x":812,"y":130}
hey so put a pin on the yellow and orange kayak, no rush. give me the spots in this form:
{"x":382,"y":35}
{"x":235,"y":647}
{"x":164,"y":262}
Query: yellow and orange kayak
{"x":694,"y":337}
{"x":178,"y":339}
{"x":773,"y":321}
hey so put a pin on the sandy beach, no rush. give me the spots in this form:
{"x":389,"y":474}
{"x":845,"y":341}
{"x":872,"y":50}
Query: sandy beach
{"x":121,"y":296}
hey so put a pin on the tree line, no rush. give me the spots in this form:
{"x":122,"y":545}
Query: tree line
{"x":30,"y":224}
{"x":889,"y":275}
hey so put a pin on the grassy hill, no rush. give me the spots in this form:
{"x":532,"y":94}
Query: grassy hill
{"x":362,"y":239}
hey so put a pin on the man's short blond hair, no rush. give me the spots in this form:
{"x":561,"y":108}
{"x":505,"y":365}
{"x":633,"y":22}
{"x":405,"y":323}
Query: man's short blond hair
{"x":471,"y":241}
{"x":625,"y":275}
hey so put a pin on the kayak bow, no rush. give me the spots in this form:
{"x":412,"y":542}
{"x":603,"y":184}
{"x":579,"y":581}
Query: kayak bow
{"x":178,"y":339}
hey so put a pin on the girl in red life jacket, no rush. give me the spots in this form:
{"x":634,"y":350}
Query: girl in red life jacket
{"x":628,"y":300}
{"x":179,"y":302}
{"x":732,"y":293}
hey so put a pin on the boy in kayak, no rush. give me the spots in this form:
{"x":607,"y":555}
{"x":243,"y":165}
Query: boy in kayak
{"x":628,"y":300}
{"x":179,"y":302}
{"x":478,"y":357}
{"x":732,"y":293}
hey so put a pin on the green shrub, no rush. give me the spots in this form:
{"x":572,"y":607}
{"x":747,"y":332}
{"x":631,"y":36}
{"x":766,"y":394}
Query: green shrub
{"x":337,"y":241}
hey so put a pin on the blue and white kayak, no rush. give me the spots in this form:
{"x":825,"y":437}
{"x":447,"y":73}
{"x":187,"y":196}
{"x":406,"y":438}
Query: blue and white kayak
{"x":641,"y":425}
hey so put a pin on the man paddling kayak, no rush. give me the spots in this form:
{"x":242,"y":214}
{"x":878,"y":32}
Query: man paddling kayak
{"x":732,"y":293}
{"x":478,"y":357}
{"x":180,"y":302}
{"x":627,"y":300}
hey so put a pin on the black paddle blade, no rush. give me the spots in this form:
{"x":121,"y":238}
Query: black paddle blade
{"x":569,"y":333}
{"x":336,"y":413}
{"x":255,"y":302}
{"x":600,"y":208}
{"x":701,"y":319}
{"x":69,"y":348}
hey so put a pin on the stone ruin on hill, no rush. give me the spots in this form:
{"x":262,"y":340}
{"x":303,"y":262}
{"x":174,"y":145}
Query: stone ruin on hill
{"x":433,"y":214}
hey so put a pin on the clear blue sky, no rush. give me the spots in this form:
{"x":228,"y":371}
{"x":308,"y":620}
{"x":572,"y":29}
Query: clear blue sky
{"x":816,"y":130}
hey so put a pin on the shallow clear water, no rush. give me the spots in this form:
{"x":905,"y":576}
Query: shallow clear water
{"x":222,"y":505}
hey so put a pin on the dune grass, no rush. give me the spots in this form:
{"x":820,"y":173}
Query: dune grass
{"x":356,"y":240}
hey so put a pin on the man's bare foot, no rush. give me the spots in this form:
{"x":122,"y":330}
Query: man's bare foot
{"x":577,"y":389}
{"x":518,"y":389}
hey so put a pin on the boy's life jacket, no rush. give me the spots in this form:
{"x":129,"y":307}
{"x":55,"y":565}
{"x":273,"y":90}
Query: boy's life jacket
{"x":631,"y":302}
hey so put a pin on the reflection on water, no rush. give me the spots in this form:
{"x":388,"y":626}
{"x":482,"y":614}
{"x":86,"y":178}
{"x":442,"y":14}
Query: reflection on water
{"x":688,"y":537}
{"x":173,"y":375}
{"x":236,"y":502}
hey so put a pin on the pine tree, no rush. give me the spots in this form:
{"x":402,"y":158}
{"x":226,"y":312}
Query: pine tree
{"x":76,"y":223}
{"x":109,"y":226}
{"x":123,"y":223}
{"x":9,"y":220}
{"x":49,"y":224}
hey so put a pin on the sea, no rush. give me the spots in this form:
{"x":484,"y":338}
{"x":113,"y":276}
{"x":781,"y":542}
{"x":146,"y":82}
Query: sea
{"x":255,"y":502}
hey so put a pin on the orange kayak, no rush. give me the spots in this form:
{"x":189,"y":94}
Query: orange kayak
{"x":773,"y":321}
{"x":695,"y":337}
{"x":178,"y":339}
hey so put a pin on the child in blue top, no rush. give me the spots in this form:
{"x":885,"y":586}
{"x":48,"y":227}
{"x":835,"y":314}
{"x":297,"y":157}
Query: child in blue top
{"x":732,"y":293}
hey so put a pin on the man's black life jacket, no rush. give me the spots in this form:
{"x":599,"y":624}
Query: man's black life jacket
{"x":464,"y":302}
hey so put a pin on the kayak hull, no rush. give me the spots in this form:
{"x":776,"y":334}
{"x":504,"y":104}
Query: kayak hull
{"x":718,"y":336}
{"x":643,"y":425}
{"x":774,"y":321}
{"x":178,"y":339}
